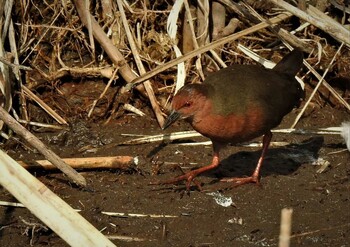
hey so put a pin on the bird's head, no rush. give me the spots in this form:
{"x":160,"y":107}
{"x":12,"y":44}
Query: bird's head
{"x":186,"y":103}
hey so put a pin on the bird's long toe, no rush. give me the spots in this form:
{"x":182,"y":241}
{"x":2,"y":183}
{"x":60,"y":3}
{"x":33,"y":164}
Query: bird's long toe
{"x":188,"y":177}
{"x":241,"y":181}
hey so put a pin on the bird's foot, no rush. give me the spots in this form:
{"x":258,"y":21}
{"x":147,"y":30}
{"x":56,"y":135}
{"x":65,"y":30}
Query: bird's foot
{"x":241,"y":181}
{"x":189,"y":176}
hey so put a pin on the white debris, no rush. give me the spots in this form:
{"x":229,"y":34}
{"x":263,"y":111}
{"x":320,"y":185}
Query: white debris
{"x":322,"y":163}
{"x":221,"y":199}
{"x":238,"y":221}
{"x":345,"y":133}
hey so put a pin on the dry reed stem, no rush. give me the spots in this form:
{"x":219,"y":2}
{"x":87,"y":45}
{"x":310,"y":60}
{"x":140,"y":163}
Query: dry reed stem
{"x":5,"y":78}
{"x":203,"y":22}
{"x":43,"y":125}
{"x":193,"y":36}
{"x":105,"y":72}
{"x":188,"y":134}
{"x":8,"y":9}
{"x":316,"y":88}
{"x":326,"y":85}
{"x":112,"y":51}
{"x":103,"y":93}
{"x":136,"y":215}
{"x":127,"y":238}
{"x":114,"y":162}
{"x":207,"y":47}
{"x":41,"y":147}
{"x":283,"y":34}
{"x":318,"y":19}
{"x":303,"y":234}
{"x":47,"y":206}
{"x":187,"y":34}
{"x":15,"y":66}
{"x":219,"y":18}
{"x":286,"y":227}
{"x":20,"y":205}
{"x":133,"y":109}
{"x":191,"y":25}
{"x":147,"y":83}
{"x":44,"y":106}
{"x":89,"y":28}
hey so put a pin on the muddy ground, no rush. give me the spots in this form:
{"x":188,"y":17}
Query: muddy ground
{"x":320,"y":201}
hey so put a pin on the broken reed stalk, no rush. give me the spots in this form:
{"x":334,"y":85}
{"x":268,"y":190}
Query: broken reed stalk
{"x":44,"y":106}
{"x":286,"y":37}
{"x":168,"y":137}
{"x":286,"y":227}
{"x":205,"y":48}
{"x":47,"y":206}
{"x":116,"y":57}
{"x":5,"y":72}
{"x":318,"y":19}
{"x":141,"y":68}
{"x":316,"y":88}
{"x":126,"y":215}
{"x":115,"y":162}
{"x":43,"y":125}
{"x":41,"y":147}
{"x":113,"y":77}
{"x":112,"y":51}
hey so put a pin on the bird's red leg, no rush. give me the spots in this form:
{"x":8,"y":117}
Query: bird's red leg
{"x":189,"y":176}
{"x":255,"y":176}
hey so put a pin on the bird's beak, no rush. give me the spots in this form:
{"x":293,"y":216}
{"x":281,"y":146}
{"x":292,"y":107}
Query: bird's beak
{"x":174,"y":115}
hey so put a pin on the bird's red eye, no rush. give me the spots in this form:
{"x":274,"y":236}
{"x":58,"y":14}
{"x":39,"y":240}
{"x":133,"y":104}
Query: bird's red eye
{"x":187,"y":104}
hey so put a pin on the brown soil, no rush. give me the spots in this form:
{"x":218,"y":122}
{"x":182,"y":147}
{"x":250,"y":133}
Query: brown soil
{"x":289,"y":179}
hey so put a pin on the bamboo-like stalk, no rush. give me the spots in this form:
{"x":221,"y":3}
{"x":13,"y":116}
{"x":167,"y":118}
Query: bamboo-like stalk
{"x":114,"y":162}
{"x":318,"y":19}
{"x":47,"y":206}
{"x":286,"y":227}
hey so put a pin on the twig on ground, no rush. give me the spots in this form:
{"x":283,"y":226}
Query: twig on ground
{"x":114,"y":162}
{"x":127,"y":215}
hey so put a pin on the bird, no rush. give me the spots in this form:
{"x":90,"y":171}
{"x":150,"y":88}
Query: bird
{"x":237,"y":104}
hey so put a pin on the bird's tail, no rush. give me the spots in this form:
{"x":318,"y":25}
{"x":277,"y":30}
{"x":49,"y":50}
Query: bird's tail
{"x":291,"y":63}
